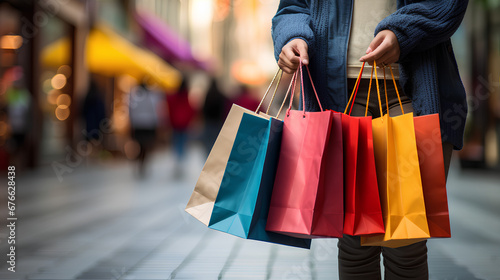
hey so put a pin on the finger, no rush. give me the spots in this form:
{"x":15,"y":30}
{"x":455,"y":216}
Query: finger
{"x":289,"y":52}
{"x":388,"y":58}
{"x":393,"y":57}
{"x":375,"y":55}
{"x":287,"y":66}
{"x":291,"y":57}
{"x":375,"y":43}
{"x":286,"y":69}
{"x":383,"y":61}
{"x":285,"y":61}
{"x":375,"y":49}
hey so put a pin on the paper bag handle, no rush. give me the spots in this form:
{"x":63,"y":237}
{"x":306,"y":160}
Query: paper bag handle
{"x":355,"y":91}
{"x":267,"y":91}
{"x":385,"y":89}
{"x":292,"y":82}
{"x":302,"y":89}
{"x":397,"y":92}
{"x":292,"y":85}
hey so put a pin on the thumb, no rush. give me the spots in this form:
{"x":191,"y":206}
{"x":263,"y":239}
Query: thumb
{"x":302,"y":50}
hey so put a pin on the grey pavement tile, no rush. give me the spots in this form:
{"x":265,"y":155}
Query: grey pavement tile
{"x":443,"y":266}
{"x":465,"y":259}
{"x":102,"y":223}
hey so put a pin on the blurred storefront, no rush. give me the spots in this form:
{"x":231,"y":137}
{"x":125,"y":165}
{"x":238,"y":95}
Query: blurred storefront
{"x":477,"y":45}
{"x":57,"y":52}
{"x":234,"y":36}
{"x":49,"y":122}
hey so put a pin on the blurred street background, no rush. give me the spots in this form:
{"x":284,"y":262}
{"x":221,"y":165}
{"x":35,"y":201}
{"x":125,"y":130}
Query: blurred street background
{"x":108,"y":109}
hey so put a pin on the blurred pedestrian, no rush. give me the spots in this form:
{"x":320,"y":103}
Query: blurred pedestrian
{"x":334,"y":38}
{"x":181,"y":114}
{"x":143,"y":121}
{"x":245,"y":99}
{"x":19,"y":114}
{"x":93,"y":113}
{"x":214,"y":114}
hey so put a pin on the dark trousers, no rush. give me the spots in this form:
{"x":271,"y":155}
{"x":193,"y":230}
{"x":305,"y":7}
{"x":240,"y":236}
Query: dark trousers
{"x":363,"y":262}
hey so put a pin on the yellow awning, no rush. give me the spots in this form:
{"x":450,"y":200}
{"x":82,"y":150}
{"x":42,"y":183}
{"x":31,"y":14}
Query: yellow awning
{"x":109,"y":54}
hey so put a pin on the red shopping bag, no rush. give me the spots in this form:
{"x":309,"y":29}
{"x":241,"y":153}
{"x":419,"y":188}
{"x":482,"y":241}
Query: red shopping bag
{"x":307,"y":199}
{"x":363,"y":212}
{"x":330,"y":196}
{"x":430,"y":156}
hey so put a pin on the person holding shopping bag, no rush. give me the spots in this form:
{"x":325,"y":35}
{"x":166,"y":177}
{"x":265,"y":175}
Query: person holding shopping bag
{"x":412,"y":37}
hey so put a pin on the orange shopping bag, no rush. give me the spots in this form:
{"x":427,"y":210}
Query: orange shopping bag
{"x":399,"y":181}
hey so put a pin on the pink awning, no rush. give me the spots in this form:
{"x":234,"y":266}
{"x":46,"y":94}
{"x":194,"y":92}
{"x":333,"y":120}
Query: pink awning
{"x":165,"y":42}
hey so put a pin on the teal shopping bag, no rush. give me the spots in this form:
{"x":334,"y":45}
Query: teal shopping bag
{"x":244,"y":196}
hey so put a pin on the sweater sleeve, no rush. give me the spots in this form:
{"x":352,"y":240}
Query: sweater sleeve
{"x":423,"y":25}
{"x":292,"y":20}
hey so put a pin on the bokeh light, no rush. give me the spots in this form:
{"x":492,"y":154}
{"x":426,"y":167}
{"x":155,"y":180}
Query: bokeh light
{"x":11,"y":42}
{"x":47,"y":85}
{"x":63,"y":99}
{"x":52,"y":96}
{"x":62,"y":112}
{"x":58,"y":81}
{"x":65,"y":70}
{"x":131,"y":149}
{"x":248,"y":72}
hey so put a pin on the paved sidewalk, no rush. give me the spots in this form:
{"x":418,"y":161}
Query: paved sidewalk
{"x":101,"y":222}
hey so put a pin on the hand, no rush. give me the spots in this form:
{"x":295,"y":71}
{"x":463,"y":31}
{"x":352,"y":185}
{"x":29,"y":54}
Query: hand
{"x":291,"y":55}
{"x":384,"y":49}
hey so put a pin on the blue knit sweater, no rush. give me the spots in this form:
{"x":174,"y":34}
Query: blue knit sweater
{"x":428,"y":70}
